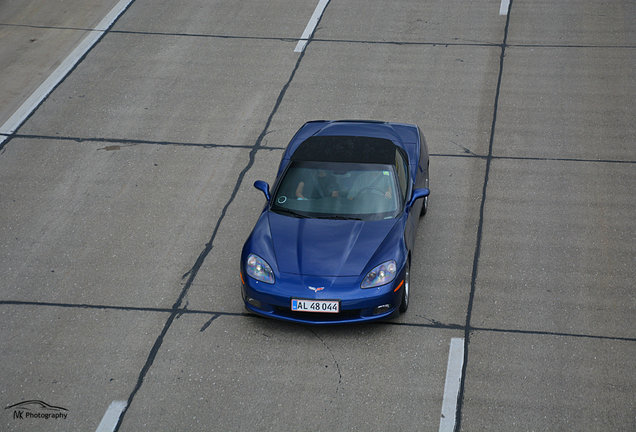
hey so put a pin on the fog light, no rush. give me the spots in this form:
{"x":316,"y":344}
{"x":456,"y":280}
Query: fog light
{"x":381,"y":309}
{"x":254,"y":302}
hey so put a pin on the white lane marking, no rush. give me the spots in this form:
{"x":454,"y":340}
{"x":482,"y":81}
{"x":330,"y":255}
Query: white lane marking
{"x":503,"y":8}
{"x":451,"y":387}
{"x":111,"y":417}
{"x":62,"y":70}
{"x":311,"y":26}
{"x":114,"y":13}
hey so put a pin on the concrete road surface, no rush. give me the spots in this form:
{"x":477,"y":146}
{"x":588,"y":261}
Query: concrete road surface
{"x":132,"y":132}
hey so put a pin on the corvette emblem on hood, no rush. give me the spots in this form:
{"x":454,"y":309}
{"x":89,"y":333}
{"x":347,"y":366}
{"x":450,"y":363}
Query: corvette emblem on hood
{"x":314,"y":289}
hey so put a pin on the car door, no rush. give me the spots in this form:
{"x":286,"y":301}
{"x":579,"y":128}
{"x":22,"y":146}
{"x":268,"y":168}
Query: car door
{"x":407,"y":184}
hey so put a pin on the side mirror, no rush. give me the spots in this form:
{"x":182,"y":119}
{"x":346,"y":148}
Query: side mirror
{"x":417,"y":194}
{"x":264,"y":187}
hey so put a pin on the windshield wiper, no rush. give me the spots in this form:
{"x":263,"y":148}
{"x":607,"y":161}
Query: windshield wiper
{"x":338,"y":217}
{"x":290,"y":212}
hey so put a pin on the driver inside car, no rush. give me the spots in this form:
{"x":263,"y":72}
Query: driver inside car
{"x":375,"y":181}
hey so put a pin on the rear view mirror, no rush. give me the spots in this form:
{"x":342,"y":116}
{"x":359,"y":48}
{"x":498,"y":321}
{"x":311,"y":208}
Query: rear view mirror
{"x":417,"y":194}
{"x":264,"y":187}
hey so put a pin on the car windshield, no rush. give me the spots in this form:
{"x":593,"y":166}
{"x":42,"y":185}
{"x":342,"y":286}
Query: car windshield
{"x":338,"y":190}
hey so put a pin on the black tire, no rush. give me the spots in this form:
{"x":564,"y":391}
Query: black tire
{"x":424,"y":207}
{"x":425,"y":203}
{"x":406,"y":289}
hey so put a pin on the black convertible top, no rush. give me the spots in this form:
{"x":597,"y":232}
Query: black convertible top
{"x":346,"y":149}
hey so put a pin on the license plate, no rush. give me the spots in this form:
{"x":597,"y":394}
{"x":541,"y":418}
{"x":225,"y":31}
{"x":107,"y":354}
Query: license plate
{"x":324,"y":306}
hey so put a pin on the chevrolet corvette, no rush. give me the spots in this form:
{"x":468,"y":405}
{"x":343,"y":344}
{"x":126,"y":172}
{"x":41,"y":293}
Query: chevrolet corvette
{"x":333,"y":244}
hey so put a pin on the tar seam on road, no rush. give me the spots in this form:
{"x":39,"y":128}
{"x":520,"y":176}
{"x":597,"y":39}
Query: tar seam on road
{"x":456,"y":42}
{"x":473,"y":280}
{"x":208,"y":322}
{"x":192,"y":273}
{"x":130,"y":142}
{"x":333,"y":357}
{"x":217,"y":314}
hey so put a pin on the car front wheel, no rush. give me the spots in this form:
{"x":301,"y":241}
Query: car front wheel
{"x":406,"y":288}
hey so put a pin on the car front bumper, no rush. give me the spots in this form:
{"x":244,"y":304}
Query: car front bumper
{"x":356,"y":304}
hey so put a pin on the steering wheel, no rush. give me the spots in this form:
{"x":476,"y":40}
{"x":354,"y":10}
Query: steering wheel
{"x":373,"y":190}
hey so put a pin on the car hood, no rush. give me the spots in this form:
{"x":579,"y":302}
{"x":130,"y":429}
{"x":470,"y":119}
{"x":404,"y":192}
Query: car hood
{"x":326,"y":247}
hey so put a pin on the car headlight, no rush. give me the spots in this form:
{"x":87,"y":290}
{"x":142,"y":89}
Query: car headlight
{"x":258,"y":268}
{"x":380,"y":275}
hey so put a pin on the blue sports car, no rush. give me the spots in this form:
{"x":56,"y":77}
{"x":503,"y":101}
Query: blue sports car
{"x":334,"y":241}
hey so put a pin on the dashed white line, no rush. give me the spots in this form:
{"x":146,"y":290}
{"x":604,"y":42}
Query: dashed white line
{"x":62,"y":70}
{"x":503,"y":8}
{"x":451,"y":387}
{"x":311,"y":26}
{"x":111,"y":417}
